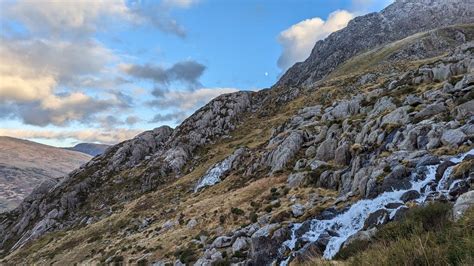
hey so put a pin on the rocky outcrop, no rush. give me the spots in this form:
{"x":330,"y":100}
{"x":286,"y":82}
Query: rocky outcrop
{"x":282,"y":149}
{"x":161,"y":153}
{"x":216,"y":119}
{"x":132,"y":152}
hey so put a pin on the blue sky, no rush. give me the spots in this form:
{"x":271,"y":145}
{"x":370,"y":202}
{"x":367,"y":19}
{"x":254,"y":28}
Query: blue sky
{"x":103,"y":71}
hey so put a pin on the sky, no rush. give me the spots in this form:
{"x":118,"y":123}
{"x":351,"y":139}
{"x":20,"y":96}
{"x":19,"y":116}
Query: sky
{"x":102,"y":71}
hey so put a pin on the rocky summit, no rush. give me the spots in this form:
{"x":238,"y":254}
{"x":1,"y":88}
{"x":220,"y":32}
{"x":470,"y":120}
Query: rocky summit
{"x":373,"y":132}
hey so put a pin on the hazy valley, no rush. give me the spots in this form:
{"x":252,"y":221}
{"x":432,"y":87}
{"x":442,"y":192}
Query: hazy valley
{"x":25,"y":164}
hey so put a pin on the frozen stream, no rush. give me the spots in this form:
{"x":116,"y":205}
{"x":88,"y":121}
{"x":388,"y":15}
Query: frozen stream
{"x":351,"y":221}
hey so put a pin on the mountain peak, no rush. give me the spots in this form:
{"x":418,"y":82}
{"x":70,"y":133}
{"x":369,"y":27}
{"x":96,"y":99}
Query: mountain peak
{"x":92,"y":149}
{"x":397,"y":21}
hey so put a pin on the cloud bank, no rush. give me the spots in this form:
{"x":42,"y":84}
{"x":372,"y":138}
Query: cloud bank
{"x":189,"y":100}
{"x":88,"y":135}
{"x":298,"y":40}
{"x":55,"y":72}
{"x":187,"y":72}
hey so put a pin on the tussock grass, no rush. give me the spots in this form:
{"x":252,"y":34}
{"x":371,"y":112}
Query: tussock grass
{"x":426,"y":236}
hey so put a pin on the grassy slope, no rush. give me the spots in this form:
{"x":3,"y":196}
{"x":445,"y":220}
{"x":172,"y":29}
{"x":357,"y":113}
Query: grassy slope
{"x":366,"y":61}
{"x":426,"y":236}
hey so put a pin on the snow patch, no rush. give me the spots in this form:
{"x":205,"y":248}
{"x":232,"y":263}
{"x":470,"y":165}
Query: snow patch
{"x":215,"y":173}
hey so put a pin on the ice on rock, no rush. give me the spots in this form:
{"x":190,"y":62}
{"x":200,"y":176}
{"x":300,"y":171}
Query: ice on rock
{"x":215,"y":173}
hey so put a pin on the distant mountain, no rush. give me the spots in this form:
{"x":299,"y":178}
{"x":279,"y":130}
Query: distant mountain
{"x":92,"y":149}
{"x":25,"y":164}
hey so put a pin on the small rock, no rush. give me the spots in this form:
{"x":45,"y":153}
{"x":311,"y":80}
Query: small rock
{"x":240,"y":243}
{"x":427,"y":160}
{"x":327,"y":214}
{"x":192,"y":223}
{"x":462,"y":204}
{"x":376,"y":218}
{"x":410,"y":195}
{"x":168,"y":225}
{"x":400,"y":213}
{"x":442,"y":168}
{"x":398,"y":116}
{"x":275,"y":202}
{"x":296,"y":179}
{"x":343,"y":155}
{"x":265,"y":231}
{"x":431,"y":110}
{"x":326,"y":150}
{"x":310,"y":152}
{"x":222,"y":242}
{"x":179,"y":263}
{"x":361,"y":236}
{"x":300,"y":165}
{"x":458,"y":188}
{"x":393,"y":205}
{"x":315,"y":164}
{"x":465,"y":110}
{"x":413,"y":100}
{"x":297,"y":210}
{"x":453,"y":137}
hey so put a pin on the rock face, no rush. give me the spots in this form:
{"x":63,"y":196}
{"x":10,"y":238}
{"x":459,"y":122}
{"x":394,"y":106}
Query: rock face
{"x":216,"y":119}
{"x":399,"y":20}
{"x":286,"y":147}
{"x":145,"y":144}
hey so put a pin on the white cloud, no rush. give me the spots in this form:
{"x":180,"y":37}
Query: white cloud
{"x":31,"y":69}
{"x":180,"y":3}
{"x":190,"y":100}
{"x":38,"y":79}
{"x":298,"y":40}
{"x":88,"y":135}
{"x":51,"y":63}
{"x":182,"y":103}
{"x":79,"y":18}
{"x":66,"y":17}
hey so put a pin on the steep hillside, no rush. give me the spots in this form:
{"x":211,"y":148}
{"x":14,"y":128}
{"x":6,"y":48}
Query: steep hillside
{"x":25,"y":164}
{"x":92,"y":149}
{"x":284,"y":175}
{"x":399,"y":20}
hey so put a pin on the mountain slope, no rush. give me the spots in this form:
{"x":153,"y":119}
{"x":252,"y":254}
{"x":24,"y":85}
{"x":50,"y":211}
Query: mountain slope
{"x":92,"y":149}
{"x":25,"y":164}
{"x":246,"y":177}
{"x":399,"y":20}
